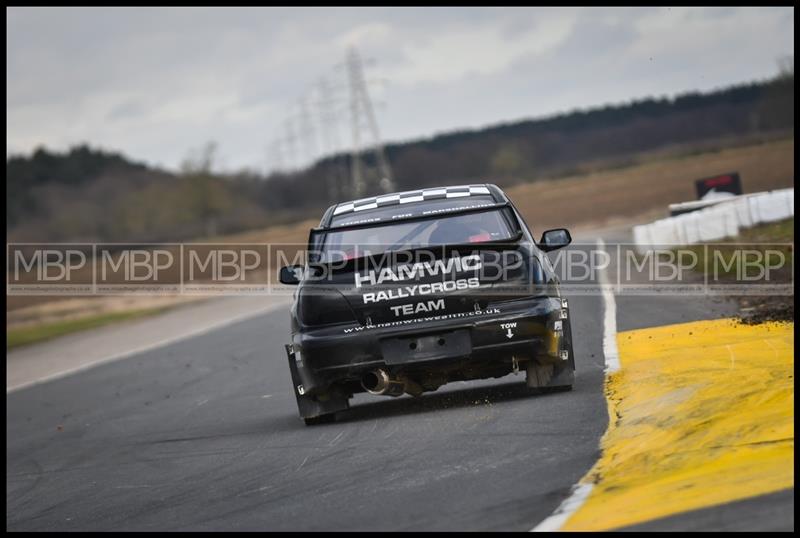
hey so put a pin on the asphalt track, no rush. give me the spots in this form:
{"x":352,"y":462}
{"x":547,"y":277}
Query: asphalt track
{"x":203,"y":434}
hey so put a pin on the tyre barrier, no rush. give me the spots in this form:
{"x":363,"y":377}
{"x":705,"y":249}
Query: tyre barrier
{"x":716,"y":222}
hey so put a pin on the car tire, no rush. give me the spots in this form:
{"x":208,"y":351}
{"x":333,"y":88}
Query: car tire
{"x":560,"y":388}
{"x":549,"y":377}
{"x":322,"y":419}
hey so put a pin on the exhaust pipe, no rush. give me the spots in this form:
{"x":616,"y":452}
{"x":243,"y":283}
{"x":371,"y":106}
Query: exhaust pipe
{"x":379,"y":382}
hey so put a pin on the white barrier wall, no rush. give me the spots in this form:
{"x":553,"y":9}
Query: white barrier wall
{"x":772,"y":206}
{"x":716,"y":222}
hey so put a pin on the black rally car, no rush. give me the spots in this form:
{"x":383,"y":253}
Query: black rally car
{"x":405,"y":292}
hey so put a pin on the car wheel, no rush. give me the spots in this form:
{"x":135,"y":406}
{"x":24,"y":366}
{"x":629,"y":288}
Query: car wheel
{"x":322,"y":419}
{"x":560,"y":388}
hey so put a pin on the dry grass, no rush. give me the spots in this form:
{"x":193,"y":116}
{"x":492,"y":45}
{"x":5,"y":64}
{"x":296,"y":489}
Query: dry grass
{"x":33,"y":334}
{"x":287,"y":233}
{"x":643,"y":191}
{"x":621,"y":195}
{"x":74,"y":308}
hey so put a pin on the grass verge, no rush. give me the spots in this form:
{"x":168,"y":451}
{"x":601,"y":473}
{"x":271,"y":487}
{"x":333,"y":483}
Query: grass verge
{"x":767,"y":246}
{"x":23,"y":336}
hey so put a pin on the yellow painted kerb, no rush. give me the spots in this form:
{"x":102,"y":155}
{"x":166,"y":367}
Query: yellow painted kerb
{"x":700,"y":414}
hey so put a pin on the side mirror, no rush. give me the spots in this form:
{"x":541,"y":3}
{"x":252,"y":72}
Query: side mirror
{"x":291,"y":274}
{"x":555,"y":239}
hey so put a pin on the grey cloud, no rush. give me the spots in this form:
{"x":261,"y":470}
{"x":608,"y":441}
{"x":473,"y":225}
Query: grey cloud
{"x":155,"y":82}
{"x":126,"y":109}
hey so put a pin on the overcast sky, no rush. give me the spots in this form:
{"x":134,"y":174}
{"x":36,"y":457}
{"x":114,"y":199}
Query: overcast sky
{"x":156,"y":83}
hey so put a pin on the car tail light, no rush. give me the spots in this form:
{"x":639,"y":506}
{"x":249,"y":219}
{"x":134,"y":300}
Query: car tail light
{"x":324,"y":305}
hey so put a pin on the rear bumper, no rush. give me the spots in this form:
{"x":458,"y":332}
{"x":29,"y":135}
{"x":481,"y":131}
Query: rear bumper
{"x":530,"y":329}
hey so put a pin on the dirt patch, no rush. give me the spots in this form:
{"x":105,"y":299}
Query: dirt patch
{"x":757,"y":310}
{"x":777,"y":237}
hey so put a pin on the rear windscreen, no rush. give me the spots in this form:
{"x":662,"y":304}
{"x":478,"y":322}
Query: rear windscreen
{"x":475,"y":227}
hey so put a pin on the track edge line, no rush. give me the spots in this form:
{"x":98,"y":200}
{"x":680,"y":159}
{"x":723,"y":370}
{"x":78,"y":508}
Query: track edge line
{"x":580,"y":491}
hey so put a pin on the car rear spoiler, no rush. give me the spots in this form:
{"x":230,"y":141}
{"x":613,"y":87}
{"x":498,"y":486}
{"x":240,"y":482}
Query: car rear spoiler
{"x":443,"y":212}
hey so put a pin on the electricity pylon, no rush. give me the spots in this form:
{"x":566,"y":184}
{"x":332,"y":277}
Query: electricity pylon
{"x":328,"y":121}
{"x":307,"y":132}
{"x":290,"y":143}
{"x":361,"y":113}
{"x":275,"y":156}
